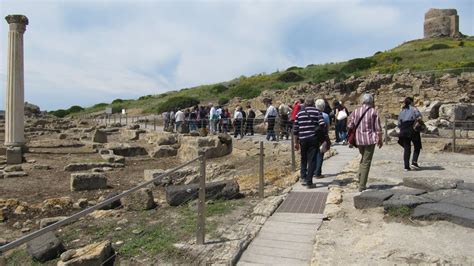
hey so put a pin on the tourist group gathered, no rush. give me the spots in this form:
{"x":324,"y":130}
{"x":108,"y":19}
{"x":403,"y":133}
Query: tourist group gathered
{"x":309,"y":121}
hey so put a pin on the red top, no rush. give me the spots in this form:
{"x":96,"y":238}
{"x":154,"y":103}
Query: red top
{"x":296,"y":109}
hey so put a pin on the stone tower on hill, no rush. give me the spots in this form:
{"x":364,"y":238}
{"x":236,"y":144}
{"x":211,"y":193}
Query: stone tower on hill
{"x":441,"y":23}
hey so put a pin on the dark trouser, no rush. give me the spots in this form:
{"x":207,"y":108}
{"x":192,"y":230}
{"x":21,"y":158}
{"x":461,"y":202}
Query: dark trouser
{"x":309,"y":150}
{"x":271,"y":128}
{"x":238,"y":128}
{"x":284,"y":126}
{"x":249,"y":128}
{"x":367,"y":153}
{"x":318,"y":162}
{"x":406,"y":142}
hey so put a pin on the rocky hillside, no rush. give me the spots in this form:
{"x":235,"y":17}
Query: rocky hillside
{"x":417,"y":55}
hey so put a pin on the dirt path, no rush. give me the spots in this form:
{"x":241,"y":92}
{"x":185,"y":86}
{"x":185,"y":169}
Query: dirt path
{"x":369,"y":236}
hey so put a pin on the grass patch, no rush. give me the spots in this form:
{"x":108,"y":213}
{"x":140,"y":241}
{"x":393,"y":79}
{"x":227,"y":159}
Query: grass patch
{"x":21,"y":257}
{"x":400,"y":212}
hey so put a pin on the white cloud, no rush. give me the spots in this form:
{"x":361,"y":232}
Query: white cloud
{"x":123,"y":53}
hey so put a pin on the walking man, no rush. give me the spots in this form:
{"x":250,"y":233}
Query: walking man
{"x":309,"y":130}
{"x":270,"y":117}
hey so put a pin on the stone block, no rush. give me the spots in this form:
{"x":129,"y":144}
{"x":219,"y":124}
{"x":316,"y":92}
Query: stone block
{"x":113,"y":158}
{"x":168,"y":139}
{"x":178,"y":177}
{"x":139,"y":200}
{"x":163,"y":151}
{"x":51,"y":220}
{"x":402,"y":190}
{"x":177,"y":195}
{"x":430,"y":183}
{"x":466,"y":186}
{"x":445,"y":211}
{"x":88,"y":181}
{"x":14,"y":174}
{"x":45,"y":247}
{"x":88,"y":166}
{"x":113,"y":205}
{"x":129,"y":150}
{"x":371,"y":199}
{"x":13,"y":168}
{"x":93,"y":254}
{"x":99,"y":136}
{"x":14,"y":155}
{"x":400,"y":200}
{"x":459,"y":111}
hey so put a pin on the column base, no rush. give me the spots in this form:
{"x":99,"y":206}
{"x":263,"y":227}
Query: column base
{"x":14,"y":155}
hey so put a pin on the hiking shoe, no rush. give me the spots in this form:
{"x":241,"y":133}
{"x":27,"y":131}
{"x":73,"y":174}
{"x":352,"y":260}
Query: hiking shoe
{"x":415,"y":165}
{"x":407,"y":169}
{"x":319,"y":176}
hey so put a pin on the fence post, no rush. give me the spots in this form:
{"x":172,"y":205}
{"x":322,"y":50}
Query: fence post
{"x":115,"y":118}
{"x":293,"y":159}
{"x":126,"y":119}
{"x":120,"y":119}
{"x":154,"y":123}
{"x":454,"y":135}
{"x":201,"y":219}
{"x":146,"y":120}
{"x":386,"y":130}
{"x":260,"y":179}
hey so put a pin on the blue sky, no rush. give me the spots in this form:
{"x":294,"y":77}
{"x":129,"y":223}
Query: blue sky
{"x":89,"y":51}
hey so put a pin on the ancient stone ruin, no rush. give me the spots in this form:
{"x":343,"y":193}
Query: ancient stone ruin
{"x":441,"y":23}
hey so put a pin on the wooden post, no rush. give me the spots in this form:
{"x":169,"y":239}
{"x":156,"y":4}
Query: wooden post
{"x":201,"y":219}
{"x":293,"y":159}
{"x":115,"y":117}
{"x":120,"y":119}
{"x":454,"y":135}
{"x":260,"y":179}
{"x":386,"y":130}
{"x":146,"y":120}
{"x":154,"y":123}
{"x":126,"y":119}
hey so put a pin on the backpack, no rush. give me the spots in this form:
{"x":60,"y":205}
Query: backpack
{"x":318,"y":129}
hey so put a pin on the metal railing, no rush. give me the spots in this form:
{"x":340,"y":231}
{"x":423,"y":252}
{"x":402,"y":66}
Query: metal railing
{"x":201,"y":218}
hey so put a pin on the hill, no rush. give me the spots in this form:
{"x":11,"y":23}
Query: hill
{"x":416,"y":55}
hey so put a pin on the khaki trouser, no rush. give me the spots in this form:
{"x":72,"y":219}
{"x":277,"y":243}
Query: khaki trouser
{"x":366,"y":152}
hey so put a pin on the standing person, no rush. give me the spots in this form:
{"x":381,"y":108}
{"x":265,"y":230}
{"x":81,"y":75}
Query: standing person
{"x":341,"y":122}
{"x":238,"y":122}
{"x":283,"y":112}
{"x":219,"y":118}
{"x":296,"y":109}
{"x":193,"y":119}
{"x":368,"y":134}
{"x":244,"y":121}
{"x":309,"y":130}
{"x":213,"y":119}
{"x":226,"y":120}
{"x":328,"y":110}
{"x":166,"y":120}
{"x":172,"y":119}
{"x":270,"y":117}
{"x":250,"y":119}
{"x":319,"y":158}
{"x":406,"y":121}
{"x":179,"y":118}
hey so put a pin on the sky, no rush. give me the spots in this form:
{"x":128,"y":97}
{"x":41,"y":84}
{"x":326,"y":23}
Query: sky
{"x":83,"y":52}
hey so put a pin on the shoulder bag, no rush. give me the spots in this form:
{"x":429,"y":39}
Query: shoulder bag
{"x":351,"y":135}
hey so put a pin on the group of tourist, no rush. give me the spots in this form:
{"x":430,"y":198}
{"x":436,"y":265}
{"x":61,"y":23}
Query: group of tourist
{"x":309,"y":121}
{"x":365,"y":132}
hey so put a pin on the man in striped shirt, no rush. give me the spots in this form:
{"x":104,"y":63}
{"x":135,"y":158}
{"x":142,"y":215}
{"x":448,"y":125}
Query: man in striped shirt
{"x":309,"y":130}
{"x":368,"y":134}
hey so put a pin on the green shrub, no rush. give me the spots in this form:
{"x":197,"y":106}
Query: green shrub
{"x":378,"y":52}
{"x":117,"y":101}
{"x":219,"y":88}
{"x":178,"y":102}
{"x":60,"y":113}
{"x":397,"y":59}
{"x":244,"y":91}
{"x":146,"y":97}
{"x":75,"y":109}
{"x":290,"y":77}
{"x":461,"y":44}
{"x":222,"y":101}
{"x":116,"y":109}
{"x":100,"y":105}
{"x":468,"y":64}
{"x":293,"y":68}
{"x":436,"y":46}
{"x":358,"y":64}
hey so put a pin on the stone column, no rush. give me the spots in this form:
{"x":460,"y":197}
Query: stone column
{"x":14,"y":107}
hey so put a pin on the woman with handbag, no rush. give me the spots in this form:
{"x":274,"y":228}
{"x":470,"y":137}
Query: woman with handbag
{"x":341,"y":122}
{"x":325,"y":144}
{"x":365,"y":132}
{"x":410,"y":124}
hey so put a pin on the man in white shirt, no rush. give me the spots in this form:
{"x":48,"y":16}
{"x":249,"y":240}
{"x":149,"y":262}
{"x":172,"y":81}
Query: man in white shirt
{"x":213,"y":119}
{"x":238,"y":120}
{"x":179,"y":118}
{"x":270,"y":117}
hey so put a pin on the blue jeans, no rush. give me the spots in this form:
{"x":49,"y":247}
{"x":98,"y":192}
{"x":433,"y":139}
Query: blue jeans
{"x":318,"y":162}
{"x":309,"y":151}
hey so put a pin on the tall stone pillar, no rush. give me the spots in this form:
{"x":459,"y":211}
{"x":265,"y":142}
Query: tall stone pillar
{"x":14,"y":107}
